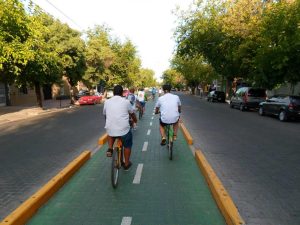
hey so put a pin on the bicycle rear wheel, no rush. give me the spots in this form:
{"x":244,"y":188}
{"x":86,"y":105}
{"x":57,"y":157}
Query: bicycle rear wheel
{"x":170,"y":149}
{"x":115,"y":166}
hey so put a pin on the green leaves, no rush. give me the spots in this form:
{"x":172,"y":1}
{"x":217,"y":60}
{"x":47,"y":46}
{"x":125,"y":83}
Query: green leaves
{"x":256,"y":40}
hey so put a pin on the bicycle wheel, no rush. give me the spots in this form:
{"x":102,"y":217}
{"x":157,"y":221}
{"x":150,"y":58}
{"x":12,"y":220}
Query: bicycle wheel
{"x":140,"y":113}
{"x":170,"y":141}
{"x":115,"y":165}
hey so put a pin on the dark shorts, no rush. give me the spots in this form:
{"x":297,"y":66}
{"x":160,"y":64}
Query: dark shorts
{"x":126,"y":139}
{"x":165,"y":124}
{"x":143,"y":104}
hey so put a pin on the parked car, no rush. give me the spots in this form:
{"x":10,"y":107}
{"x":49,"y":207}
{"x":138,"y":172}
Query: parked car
{"x":248,"y":98}
{"x":82,"y":93}
{"x":90,"y":100}
{"x":218,"y":96}
{"x":283,"y":106}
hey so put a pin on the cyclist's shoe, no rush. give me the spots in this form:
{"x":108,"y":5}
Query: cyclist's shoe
{"x":109,"y":152}
{"x":174,"y":137}
{"x":163,"y":141}
{"x":126,"y":168}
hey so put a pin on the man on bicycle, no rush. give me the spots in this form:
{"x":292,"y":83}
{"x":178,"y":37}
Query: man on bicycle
{"x":117,"y":111}
{"x":142,"y":98}
{"x":169,"y":106}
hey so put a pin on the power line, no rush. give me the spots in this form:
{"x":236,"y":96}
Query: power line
{"x":64,"y":14}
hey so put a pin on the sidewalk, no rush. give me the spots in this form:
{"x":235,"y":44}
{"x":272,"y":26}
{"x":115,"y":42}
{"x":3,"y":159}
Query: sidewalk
{"x":154,"y":191}
{"x":15,"y":113}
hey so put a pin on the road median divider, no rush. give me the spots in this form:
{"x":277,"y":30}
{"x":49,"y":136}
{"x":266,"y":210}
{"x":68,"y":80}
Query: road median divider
{"x":103,"y":139}
{"x":27,"y":209}
{"x":221,"y":196}
{"x":186,"y":134}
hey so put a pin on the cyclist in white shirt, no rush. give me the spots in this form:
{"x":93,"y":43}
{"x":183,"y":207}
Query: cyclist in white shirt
{"x":142,"y":97}
{"x":117,"y":111}
{"x":169,"y":106}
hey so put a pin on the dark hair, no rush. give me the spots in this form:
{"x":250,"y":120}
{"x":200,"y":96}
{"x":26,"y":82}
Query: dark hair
{"x":118,"y":90}
{"x":166,"y":87}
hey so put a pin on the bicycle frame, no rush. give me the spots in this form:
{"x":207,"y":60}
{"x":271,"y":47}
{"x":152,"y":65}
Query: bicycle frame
{"x":169,"y":133}
{"x":117,"y":159}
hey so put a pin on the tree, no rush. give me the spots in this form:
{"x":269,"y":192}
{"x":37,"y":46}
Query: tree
{"x":71,"y":51}
{"x":14,"y":45}
{"x":44,"y":66}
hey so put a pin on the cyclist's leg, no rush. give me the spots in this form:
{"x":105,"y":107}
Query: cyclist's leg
{"x":162,"y":132}
{"x":127,"y":143}
{"x":110,"y":141}
{"x":175,"y":128}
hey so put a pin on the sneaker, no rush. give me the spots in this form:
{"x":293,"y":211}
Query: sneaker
{"x":174,"y":137}
{"x":126,"y":168}
{"x":163,"y":141}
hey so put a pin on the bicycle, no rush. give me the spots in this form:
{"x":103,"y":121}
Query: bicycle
{"x":117,"y":162}
{"x":169,"y":132}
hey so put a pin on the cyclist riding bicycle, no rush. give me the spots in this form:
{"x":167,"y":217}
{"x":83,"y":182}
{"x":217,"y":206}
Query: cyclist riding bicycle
{"x":142,"y":98}
{"x":134,"y":102}
{"x":117,"y":111}
{"x":169,"y":106}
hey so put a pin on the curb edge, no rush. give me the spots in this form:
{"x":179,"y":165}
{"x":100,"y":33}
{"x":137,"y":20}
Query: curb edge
{"x":221,"y":196}
{"x":28,"y":208}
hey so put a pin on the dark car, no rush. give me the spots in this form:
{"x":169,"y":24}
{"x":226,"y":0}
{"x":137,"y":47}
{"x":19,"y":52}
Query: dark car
{"x":82,"y":93}
{"x":248,"y":98}
{"x":283,"y":106}
{"x":218,"y":96}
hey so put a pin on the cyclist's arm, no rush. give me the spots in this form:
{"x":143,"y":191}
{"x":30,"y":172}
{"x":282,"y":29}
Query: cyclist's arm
{"x":157,"y":110}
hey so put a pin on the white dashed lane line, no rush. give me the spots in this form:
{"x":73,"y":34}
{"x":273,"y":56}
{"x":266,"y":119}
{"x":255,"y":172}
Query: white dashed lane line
{"x":152,"y":117}
{"x":145,"y":146}
{"x":149,"y":131}
{"x":138,"y":174}
{"x":126,"y":220}
{"x":150,"y":123}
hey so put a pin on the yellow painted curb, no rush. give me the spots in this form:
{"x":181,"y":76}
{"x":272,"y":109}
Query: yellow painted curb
{"x":186,"y":134}
{"x":221,"y":196}
{"x":103,"y":139}
{"x":25,"y":211}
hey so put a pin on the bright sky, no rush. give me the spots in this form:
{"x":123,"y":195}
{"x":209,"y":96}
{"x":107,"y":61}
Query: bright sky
{"x":149,"y":24}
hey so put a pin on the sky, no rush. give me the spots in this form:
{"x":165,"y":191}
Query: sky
{"x":149,"y":24}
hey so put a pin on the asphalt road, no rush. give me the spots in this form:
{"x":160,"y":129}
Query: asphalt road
{"x":33,"y":151}
{"x":257,"y":158}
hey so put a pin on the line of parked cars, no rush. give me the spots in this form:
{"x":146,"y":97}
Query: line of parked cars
{"x":285,"y":107}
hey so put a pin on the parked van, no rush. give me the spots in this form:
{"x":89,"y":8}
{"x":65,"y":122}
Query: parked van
{"x":248,"y":98}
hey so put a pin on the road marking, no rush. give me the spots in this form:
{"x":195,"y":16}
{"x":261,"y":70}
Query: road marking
{"x":138,"y":174}
{"x":150,"y":123}
{"x":153,"y":114}
{"x":145,"y":146}
{"x":152,"y":117}
{"x":126,"y":220}
{"x":149,"y":131}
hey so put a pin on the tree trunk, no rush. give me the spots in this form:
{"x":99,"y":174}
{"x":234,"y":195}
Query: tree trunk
{"x":7,"y":95}
{"x":72,"y":97}
{"x":38,"y":93}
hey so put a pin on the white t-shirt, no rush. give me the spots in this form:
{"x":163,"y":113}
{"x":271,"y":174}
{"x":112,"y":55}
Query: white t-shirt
{"x":168,"y":106}
{"x":116,"y":110}
{"x":141,"y":96}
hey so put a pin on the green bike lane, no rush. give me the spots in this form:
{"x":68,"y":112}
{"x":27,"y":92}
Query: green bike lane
{"x":155,"y":191}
